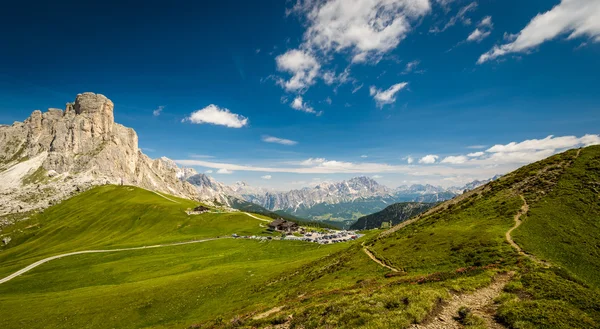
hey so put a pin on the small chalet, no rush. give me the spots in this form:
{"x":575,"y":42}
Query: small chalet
{"x":283,"y":225}
{"x":201,"y":209}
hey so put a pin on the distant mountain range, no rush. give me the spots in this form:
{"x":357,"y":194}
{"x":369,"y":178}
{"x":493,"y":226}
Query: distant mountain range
{"x":53,"y":155}
{"x":343,"y":202}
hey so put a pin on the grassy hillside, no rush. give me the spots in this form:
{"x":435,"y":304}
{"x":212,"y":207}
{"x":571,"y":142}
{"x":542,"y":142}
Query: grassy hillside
{"x":396,"y":214}
{"x":114,"y":217}
{"x":167,"y":287}
{"x":460,"y":247}
{"x":451,"y":256}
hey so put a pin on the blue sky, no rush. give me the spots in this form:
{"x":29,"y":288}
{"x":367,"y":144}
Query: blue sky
{"x":288,"y":94}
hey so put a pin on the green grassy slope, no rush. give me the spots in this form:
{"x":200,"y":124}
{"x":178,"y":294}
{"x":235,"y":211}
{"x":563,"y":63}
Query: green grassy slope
{"x":456,"y":247}
{"x":167,"y":287}
{"x":563,"y":226}
{"x":460,"y":246}
{"x":114,"y":217}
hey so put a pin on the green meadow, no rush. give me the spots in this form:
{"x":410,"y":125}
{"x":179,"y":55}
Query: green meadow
{"x":457,"y":247}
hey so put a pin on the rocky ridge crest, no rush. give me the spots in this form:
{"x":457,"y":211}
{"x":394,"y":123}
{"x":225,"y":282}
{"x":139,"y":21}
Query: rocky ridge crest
{"x":52,"y":155}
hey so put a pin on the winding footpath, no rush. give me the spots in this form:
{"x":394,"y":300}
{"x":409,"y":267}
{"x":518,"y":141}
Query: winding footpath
{"x":370,"y":254}
{"x":524,"y":209}
{"x":480,"y":303}
{"x":45,"y":260}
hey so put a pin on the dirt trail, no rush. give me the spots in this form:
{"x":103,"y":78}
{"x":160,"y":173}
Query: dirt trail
{"x":368,"y":252}
{"x":524,"y":209}
{"x":159,"y":194}
{"x":480,"y":302}
{"x":264,"y":220}
{"x":45,"y":260}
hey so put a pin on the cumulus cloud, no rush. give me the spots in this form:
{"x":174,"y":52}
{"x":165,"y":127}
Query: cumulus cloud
{"x":455,"y":159}
{"x":282,"y":141}
{"x":266,"y":177}
{"x":299,"y":105}
{"x":383,"y":97}
{"x":478,"y":35}
{"x":410,"y":160}
{"x":312,"y":161}
{"x":330,"y":77}
{"x":215,"y":115}
{"x":548,"y":143}
{"x":500,"y":158}
{"x":574,"y":18}
{"x":428,"y":159}
{"x":224,"y":171}
{"x":367,"y":29}
{"x":209,"y":171}
{"x":486,"y":22}
{"x":475,"y":154}
{"x":303,"y":67}
{"x":158,"y":111}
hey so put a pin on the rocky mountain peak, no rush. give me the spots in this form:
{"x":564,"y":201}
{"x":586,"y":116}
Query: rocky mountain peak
{"x":81,"y":146}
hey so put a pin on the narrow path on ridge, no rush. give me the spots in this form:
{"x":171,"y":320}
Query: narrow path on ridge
{"x":45,"y":260}
{"x":524,"y":209}
{"x":373,"y":258}
{"x":479,"y":302}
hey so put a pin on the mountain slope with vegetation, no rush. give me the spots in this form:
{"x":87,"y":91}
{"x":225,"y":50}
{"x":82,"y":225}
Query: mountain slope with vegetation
{"x":459,"y":248}
{"x":391,"y":215}
{"x":451,"y":266}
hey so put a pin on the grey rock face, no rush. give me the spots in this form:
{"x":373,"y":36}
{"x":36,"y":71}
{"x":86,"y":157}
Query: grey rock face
{"x":76,"y":148}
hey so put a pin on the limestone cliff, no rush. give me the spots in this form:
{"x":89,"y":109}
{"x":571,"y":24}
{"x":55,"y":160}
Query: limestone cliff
{"x":52,"y":155}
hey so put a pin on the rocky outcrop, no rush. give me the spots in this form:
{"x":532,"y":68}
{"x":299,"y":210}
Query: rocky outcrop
{"x":54,"y":154}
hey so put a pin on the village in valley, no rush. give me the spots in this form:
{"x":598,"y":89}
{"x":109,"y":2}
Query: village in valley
{"x":292,"y":231}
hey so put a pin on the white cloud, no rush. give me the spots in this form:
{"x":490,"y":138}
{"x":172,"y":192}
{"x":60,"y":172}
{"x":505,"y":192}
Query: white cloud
{"x":299,"y":105}
{"x":208,"y":171}
{"x":428,"y":159}
{"x":266,"y":177}
{"x":455,"y":159}
{"x":475,"y":154}
{"x":486,"y":22}
{"x":282,"y":141}
{"x":410,"y":160}
{"x":328,"y":100}
{"x":158,"y":111}
{"x":476,"y":147}
{"x":383,"y":97}
{"x":498,"y":159}
{"x":357,"y":88}
{"x":215,"y":115}
{"x":478,"y":35}
{"x":201,"y":156}
{"x":460,"y":16}
{"x":367,"y":29}
{"x":224,"y":171}
{"x":376,"y":176}
{"x":411,"y":66}
{"x":577,"y":18}
{"x":364,"y":156}
{"x":312,"y":161}
{"x":548,"y":143}
{"x":303,"y":66}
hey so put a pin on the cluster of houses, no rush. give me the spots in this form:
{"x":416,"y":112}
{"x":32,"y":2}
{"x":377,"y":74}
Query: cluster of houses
{"x":283,"y":225}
